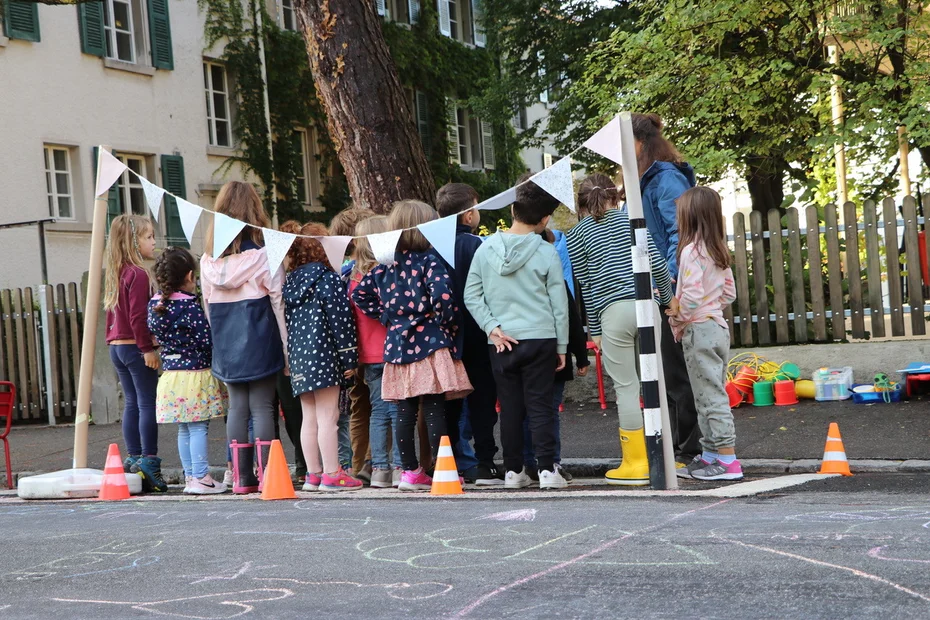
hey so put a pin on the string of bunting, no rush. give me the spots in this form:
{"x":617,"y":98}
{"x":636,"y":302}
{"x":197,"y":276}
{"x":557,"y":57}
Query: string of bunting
{"x":556,"y":180}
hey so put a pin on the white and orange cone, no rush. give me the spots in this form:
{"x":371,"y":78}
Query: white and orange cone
{"x":446,"y":474}
{"x":834,"y":454}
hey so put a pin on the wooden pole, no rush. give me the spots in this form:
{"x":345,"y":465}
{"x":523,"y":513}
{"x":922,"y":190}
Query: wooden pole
{"x":839,"y":149}
{"x":259,"y":13}
{"x":903,"y":153}
{"x":91,"y":313}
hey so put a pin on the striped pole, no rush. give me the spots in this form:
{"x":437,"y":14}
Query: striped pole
{"x":650,"y":363}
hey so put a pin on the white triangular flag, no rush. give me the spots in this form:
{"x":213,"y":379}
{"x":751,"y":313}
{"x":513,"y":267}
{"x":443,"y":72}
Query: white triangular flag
{"x":277,"y":244}
{"x":441,"y":233}
{"x":606,"y":142}
{"x":504,"y":199}
{"x":109,"y":170}
{"x":335,"y":248}
{"x":153,"y":196}
{"x":189,"y":214}
{"x":383,"y":246}
{"x":557,"y":180}
{"x":225,"y":229}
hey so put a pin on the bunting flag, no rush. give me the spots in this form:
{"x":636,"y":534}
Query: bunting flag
{"x":606,"y":142}
{"x":276,"y":246}
{"x":110,"y":169}
{"x":504,"y":199}
{"x":557,"y":180}
{"x":384,"y":245}
{"x":441,"y":234}
{"x":335,"y":248}
{"x":225,"y":229}
{"x":153,"y":196}
{"x":189,"y":213}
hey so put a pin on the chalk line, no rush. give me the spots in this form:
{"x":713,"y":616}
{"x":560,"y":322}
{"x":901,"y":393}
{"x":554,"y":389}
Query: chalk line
{"x":603,"y":547}
{"x":854,"y":571}
{"x":243,"y":605}
{"x":549,"y":542}
{"x":877,"y":554}
{"x":389,"y":587}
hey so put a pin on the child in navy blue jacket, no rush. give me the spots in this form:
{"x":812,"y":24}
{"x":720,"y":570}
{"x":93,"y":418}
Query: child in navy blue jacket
{"x":413,"y":298}
{"x":188,"y":393}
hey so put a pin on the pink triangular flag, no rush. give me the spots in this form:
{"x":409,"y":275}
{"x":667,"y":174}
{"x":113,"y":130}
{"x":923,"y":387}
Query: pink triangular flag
{"x":606,"y":142}
{"x":335,"y":248}
{"x":109,"y":169}
{"x":441,"y":234}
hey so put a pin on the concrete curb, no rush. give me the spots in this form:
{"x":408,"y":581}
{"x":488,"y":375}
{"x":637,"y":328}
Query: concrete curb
{"x":595,"y":468}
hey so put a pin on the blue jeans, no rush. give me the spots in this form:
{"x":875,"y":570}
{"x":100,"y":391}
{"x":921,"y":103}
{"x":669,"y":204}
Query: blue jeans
{"x":345,"y":443}
{"x":529,"y":457}
{"x":192,"y":446}
{"x":383,"y":421}
{"x":140,"y":385}
{"x":467,"y":458}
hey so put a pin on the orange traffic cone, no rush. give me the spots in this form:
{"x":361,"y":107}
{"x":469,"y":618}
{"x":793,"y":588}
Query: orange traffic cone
{"x":834,"y":455}
{"x":446,"y":474}
{"x":114,"y":484}
{"x":277,"y":478}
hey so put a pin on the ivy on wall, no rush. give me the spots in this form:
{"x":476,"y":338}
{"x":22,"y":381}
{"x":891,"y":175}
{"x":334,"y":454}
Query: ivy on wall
{"x":426,"y":60}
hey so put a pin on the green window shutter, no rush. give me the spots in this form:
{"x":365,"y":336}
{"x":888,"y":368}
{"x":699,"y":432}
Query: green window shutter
{"x":160,"y":35}
{"x":90,"y":23}
{"x":114,"y":208}
{"x":21,"y":20}
{"x":172,"y":176}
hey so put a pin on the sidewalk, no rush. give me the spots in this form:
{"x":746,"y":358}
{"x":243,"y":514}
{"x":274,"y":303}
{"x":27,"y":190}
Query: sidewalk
{"x":765,"y":437}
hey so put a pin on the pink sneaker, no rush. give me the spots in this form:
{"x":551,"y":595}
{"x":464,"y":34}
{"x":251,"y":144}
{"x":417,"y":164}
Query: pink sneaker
{"x":415,"y":480}
{"x":340,"y":482}
{"x":187,"y":483}
{"x":719,"y":471}
{"x":312,"y":482}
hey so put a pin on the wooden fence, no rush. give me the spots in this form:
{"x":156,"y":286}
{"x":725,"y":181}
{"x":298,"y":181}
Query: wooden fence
{"x":820,"y":282}
{"x":40,"y":340}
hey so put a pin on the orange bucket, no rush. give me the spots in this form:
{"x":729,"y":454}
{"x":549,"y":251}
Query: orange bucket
{"x":736,"y":397}
{"x":785,"y":393}
{"x":744,"y":381}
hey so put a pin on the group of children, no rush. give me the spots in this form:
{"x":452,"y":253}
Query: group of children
{"x":363,"y":357}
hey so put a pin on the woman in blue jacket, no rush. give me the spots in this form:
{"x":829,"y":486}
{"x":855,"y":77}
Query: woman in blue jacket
{"x":663,"y":177}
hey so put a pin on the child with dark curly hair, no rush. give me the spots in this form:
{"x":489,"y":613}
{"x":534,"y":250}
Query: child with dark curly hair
{"x":324,"y":351}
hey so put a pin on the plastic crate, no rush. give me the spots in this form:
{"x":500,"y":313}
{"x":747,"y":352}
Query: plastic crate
{"x":867,"y":398}
{"x":833,"y":383}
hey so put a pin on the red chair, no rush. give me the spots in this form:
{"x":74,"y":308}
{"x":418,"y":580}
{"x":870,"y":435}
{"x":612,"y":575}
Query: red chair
{"x":600,"y":374}
{"x":7,"y":400}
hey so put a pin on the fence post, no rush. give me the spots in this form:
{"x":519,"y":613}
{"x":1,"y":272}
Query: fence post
{"x":46,"y":352}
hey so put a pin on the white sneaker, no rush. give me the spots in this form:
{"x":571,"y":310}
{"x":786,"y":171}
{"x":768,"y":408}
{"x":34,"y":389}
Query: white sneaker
{"x":551,"y":479}
{"x":206,"y":486}
{"x":187,"y":483}
{"x":228,"y":478}
{"x":517,"y":480}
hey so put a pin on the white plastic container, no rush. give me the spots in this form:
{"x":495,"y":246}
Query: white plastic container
{"x":70,"y":484}
{"x":833,"y":383}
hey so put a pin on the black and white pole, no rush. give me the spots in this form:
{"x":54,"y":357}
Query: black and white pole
{"x":659,"y":449}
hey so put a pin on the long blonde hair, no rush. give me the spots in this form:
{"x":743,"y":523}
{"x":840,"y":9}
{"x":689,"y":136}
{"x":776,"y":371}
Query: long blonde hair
{"x":122,"y":250}
{"x":240,"y":201}
{"x":407,"y":215}
{"x":364,"y":258}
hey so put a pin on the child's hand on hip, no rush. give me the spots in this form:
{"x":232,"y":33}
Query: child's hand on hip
{"x":502,"y":341}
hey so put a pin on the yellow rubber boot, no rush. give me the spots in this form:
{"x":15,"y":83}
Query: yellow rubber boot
{"x":634,"y":469}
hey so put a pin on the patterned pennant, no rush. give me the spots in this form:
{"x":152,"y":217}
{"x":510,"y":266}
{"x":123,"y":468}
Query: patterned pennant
{"x":557,"y":180}
{"x":189,"y":214}
{"x":277,"y":244}
{"x":109,"y":169}
{"x":153,"y":196}
{"x":384,"y":245}
{"x":335,"y":248}
{"x":606,"y":142}
{"x":441,"y":233}
{"x":225,"y":229}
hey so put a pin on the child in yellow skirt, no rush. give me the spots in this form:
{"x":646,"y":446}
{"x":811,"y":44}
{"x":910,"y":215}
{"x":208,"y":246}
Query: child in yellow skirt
{"x":188,"y":393}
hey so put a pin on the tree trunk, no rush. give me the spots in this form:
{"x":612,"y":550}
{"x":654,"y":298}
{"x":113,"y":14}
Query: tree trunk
{"x":367,"y":113}
{"x":765,"y":179}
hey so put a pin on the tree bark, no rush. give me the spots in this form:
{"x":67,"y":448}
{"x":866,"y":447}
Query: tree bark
{"x":367,"y":113}
{"x":765,"y":179}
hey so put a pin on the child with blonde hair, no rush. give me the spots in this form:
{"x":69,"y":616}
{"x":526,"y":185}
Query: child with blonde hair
{"x":246,"y":313}
{"x":413,"y":297}
{"x":128,"y":287}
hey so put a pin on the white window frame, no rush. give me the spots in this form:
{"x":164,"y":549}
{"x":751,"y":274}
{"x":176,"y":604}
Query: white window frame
{"x":455,"y":19}
{"x":210,"y":91}
{"x":310,"y":166}
{"x":128,"y":182}
{"x":51,"y":182}
{"x":137,"y":30}
{"x":463,"y":134}
{"x":287,"y":9}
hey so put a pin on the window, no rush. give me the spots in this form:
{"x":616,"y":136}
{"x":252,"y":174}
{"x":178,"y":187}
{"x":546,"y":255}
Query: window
{"x":131,"y":194}
{"x":520,"y":120}
{"x":124,"y":31}
{"x":130,"y":31}
{"x":455,"y":21}
{"x":300,"y":138}
{"x":217,"y":97}
{"x":58,"y":182}
{"x":307,"y":182}
{"x":288,"y":18}
{"x":471,"y":139}
{"x":462,"y":132}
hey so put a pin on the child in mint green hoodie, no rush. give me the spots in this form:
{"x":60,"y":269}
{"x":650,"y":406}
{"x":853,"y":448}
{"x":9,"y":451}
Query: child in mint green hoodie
{"x":515,"y":291}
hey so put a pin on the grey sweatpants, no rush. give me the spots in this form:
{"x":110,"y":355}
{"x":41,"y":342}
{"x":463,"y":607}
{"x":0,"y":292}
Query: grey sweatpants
{"x":706,"y":347}
{"x":255,"y":398}
{"x":619,"y":339}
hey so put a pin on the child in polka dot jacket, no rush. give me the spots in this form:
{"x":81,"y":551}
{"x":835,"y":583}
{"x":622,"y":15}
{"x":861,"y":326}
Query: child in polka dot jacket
{"x":323,"y":351}
{"x":413,"y":298}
